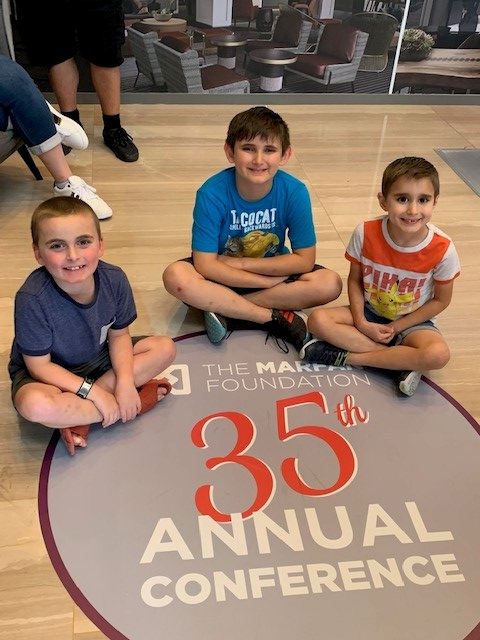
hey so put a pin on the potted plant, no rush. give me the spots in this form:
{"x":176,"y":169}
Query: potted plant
{"x":416,"y":45}
{"x":165,"y":10}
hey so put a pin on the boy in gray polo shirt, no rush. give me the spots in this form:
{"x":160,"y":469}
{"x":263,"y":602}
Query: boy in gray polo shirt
{"x":72,"y":361}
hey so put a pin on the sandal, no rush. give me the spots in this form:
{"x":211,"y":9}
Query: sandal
{"x":148,"y":393}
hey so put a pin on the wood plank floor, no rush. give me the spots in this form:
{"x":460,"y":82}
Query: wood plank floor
{"x":339,"y":151}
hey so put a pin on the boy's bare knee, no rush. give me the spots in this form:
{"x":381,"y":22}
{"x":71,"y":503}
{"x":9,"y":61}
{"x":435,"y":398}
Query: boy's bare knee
{"x":175,"y":280}
{"x":316,"y":321}
{"x":333,"y":285}
{"x":437,"y":356}
{"x":35,"y":406}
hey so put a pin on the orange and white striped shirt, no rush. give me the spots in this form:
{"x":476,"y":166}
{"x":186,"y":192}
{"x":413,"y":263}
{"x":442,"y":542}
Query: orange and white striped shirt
{"x":397,"y":280}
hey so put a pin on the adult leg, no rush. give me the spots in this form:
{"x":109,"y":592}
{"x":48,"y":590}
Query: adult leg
{"x":106,"y":81}
{"x":64,"y":81}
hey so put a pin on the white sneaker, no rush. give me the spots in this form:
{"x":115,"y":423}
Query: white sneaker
{"x":408,"y":382}
{"x":78,"y":188}
{"x":71,"y":132}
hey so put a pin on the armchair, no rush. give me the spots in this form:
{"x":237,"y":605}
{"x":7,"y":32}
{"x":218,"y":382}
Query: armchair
{"x":145,"y":57}
{"x":307,"y":7}
{"x":243,"y":10}
{"x":183,"y":73}
{"x":290,"y":31}
{"x":336,"y":58}
{"x":9,"y":143}
{"x":380,"y":27}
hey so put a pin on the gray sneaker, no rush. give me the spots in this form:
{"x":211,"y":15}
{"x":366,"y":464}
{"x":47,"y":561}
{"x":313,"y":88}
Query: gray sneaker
{"x":216,"y":326}
{"x":407,"y":382}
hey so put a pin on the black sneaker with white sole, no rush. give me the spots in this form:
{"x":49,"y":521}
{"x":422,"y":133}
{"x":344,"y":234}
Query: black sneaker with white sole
{"x":320,"y":352}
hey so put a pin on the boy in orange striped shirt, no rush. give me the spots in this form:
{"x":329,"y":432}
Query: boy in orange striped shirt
{"x":402,"y":270}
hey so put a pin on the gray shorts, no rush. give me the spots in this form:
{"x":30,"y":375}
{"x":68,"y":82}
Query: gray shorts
{"x":371,"y":316}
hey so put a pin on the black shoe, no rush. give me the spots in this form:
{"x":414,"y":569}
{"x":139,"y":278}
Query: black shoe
{"x":289,"y":326}
{"x":319,"y":352}
{"x":216,"y":326}
{"x":407,"y":382}
{"x":121,"y":143}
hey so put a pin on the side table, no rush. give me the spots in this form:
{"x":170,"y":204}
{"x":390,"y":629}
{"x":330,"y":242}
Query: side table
{"x":272,"y":63}
{"x":227,"y":49}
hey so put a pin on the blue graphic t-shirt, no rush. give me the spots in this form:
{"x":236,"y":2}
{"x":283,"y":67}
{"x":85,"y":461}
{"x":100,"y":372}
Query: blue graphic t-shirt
{"x":225,"y":223}
{"x":49,"y":321}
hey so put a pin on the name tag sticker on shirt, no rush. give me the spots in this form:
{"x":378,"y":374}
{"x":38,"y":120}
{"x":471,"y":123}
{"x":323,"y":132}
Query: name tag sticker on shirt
{"x":104,"y":331}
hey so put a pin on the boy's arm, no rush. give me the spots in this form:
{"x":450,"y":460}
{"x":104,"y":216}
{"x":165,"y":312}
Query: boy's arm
{"x":442,"y":296}
{"x":381,"y":333}
{"x":213,"y":267}
{"x":41,"y":368}
{"x":299,"y":261}
{"x":121,"y":354}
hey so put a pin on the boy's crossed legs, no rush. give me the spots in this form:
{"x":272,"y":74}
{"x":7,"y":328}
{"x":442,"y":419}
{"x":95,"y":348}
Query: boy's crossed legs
{"x":52,"y":407}
{"x":418,"y":348}
{"x":318,"y":287}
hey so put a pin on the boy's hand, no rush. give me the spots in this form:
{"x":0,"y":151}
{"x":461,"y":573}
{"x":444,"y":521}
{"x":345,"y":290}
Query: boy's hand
{"x":381,"y":333}
{"x":128,"y":401}
{"x":106,"y":403}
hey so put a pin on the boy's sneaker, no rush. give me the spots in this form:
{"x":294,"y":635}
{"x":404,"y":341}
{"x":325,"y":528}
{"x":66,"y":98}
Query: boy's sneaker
{"x":216,"y":326}
{"x":121,"y":143}
{"x":78,"y":188}
{"x":72,"y":133}
{"x":289,"y":326}
{"x":320,"y":352}
{"x":407,"y":382}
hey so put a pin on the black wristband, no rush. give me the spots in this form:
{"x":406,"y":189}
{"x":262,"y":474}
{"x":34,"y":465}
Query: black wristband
{"x":85,"y":387}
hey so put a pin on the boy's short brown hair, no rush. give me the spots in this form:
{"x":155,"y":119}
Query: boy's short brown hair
{"x":411,"y":167}
{"x":258,"y":121}
{"x":60,"y":207}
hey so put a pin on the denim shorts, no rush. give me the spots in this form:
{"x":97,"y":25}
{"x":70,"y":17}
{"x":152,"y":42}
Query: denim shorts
{"x":371,"y":316}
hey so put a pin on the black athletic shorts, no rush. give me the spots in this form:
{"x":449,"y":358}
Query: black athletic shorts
{"x":243,"y":290}
{"x":56,"y":30}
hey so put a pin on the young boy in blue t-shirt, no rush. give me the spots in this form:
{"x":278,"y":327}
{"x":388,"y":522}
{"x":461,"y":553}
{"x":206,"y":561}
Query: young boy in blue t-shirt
{"x":241,"y":267}
{"x":72,"y":361}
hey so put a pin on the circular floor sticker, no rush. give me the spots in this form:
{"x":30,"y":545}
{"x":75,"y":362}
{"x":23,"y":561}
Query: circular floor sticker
{"x":269,"y":499}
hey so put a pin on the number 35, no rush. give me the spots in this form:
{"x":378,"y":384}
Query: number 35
{"x":261,"y":473}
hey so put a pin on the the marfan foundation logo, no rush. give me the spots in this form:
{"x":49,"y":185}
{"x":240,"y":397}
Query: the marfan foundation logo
{"x":270,"y":499}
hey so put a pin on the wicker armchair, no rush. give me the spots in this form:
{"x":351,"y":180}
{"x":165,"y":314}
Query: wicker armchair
{"x":9,"y":143}
{"x":146,"y":59}
{"x":183,"y":73}
{"x":380,"y":27}
{"x":336,"y":58}
{"x":290,"y":31}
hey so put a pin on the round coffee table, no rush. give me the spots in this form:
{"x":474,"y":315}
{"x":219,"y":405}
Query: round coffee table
{"x":227,"y":48}
{"x":174,"y":24}
{"x":272,"y":63}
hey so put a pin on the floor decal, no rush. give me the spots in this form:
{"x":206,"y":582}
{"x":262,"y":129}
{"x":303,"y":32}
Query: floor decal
{"x":269,"y":499}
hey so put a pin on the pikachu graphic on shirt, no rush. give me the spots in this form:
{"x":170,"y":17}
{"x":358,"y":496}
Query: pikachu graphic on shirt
{"x":389,"y":303}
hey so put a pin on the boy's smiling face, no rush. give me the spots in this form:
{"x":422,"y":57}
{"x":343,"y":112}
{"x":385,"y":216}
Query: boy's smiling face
{"x":409,"y":204}
{"x":69,"y":248}
{"x":256,"y":163}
